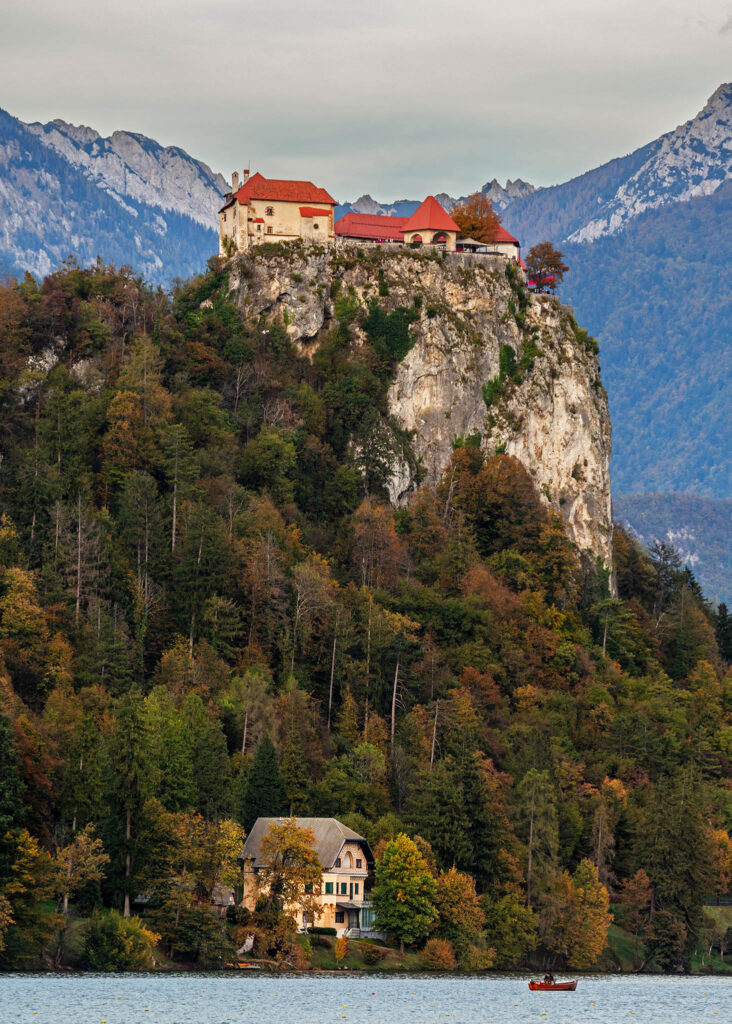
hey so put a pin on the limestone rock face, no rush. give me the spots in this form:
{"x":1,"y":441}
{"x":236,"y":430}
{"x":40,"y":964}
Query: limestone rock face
{"x":551,"y":412}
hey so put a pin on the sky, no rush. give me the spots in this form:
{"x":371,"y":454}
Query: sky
{"x":393,"y":97}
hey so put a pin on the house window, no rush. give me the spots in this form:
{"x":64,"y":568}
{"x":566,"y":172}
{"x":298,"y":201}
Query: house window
{"x":355,"y":888}
{"x":269,"y":229}
{"x":359,"y":863}
{"x":344,"y":888}
{"x":224,"y":216}
{"x":338,"y":862}
{"x":270,"y":211}
{"x":308,"y":887}
{"x":328,"y":888}
{"x":259,"y":227}
{"x":340,"y":916}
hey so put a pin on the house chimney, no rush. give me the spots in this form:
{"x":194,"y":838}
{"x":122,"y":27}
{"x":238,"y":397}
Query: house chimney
{"x":245,"y":176}
{"x":235,"y":181}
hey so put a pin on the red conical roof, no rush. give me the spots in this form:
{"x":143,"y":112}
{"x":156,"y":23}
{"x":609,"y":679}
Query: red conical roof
{"x":430,"y":216}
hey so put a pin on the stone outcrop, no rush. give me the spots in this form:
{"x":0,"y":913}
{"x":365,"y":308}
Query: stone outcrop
{"x":550,"y":413}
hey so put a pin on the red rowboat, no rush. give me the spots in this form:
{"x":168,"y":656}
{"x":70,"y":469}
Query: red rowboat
{"x":552,"y":986}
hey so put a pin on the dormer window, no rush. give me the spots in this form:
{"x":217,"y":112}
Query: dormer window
{"x":269,"y":211}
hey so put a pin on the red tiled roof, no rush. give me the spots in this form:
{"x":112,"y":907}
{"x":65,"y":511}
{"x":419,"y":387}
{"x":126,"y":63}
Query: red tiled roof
{"x":259,"y":187}
{"x":430,"y":216}
{"x":257,"y":220}
{"x":311,"y":211}
{"x":501,"y":235}
{"x":370,"y":226}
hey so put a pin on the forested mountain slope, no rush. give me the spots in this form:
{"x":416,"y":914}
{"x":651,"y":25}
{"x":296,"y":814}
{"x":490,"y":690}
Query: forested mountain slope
{"x":209,"y":611}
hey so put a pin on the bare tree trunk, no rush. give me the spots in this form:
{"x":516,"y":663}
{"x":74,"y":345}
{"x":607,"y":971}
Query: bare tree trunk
{"x":78,"y":559}
{"x":298,"y":604}
{"x":368,"y":665}
{"x":332,"y":671}
{"x":531,"y":855}
{"x":434,"y":736}
{"x":244,"y":733}
{"x":394,"y":698}
{"x":128,"y":862}
{"x":175,"y":508}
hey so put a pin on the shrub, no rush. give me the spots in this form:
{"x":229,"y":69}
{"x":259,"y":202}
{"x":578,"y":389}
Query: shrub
{"x":238,"y":915}
{"x":116,"y":943}
{"x":341,"y":948}
{"x":477,"y":959}
{"x":438,"y":955}
{"x":372,"y":954}
{"x":299,"y":958}
{"x":194,"y":933}
{"x":318,"y":930}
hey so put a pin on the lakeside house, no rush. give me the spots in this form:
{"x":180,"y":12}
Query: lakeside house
{"x":273,"y":210}
{"x":346,"y":860}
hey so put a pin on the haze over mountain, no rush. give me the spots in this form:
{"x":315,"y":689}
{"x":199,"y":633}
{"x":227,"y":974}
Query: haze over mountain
{"x":646,"y":236}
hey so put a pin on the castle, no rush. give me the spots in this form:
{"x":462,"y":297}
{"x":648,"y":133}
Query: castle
{"x":275,"y":210}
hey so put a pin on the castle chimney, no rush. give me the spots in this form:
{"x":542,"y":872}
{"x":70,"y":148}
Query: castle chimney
{"x":245,"y":177}
{"x":235,"y":181}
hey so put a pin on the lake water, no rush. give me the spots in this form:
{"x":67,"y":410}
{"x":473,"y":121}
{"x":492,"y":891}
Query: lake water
{"x":350,"y":999}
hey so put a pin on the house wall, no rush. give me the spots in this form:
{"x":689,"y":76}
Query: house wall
{"x":427,"y":237}
{"x":347,"y":875}
{"x":506,"y":249}
{"x":282,"y":224}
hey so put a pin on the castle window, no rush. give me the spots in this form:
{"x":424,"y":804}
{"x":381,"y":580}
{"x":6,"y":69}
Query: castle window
{"x":269,"y":229}
{"x":270,"y":211}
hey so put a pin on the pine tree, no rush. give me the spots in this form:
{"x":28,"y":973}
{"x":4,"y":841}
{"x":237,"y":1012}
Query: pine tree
{"x":264,"y":792}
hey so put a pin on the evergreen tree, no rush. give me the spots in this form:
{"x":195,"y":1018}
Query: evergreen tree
{"x":440,"y":817}
{"x":11,"y":784}
{"x":264,"y":793}
{"x":12,"y":788}
{"x":405,"y":893}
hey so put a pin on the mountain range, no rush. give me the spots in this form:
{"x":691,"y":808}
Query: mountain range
{"x":647,"y":238}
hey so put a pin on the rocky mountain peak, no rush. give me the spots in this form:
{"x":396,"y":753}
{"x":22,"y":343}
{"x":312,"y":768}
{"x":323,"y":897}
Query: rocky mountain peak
{"x":693,"y":160}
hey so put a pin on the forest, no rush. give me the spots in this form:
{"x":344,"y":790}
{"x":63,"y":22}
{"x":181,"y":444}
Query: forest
{"x":209,"y":612}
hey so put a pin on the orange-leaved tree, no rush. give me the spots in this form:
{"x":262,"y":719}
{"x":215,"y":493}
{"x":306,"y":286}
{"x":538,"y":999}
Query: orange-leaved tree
{"x":476,"y":217}
{"x":545,"y":265}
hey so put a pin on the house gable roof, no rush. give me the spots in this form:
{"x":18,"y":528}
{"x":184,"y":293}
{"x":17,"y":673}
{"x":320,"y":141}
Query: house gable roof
{"x":430,"y":216}
{"x":259,"y":187}
{"x":330,"y":835}
{"x":370,"y":225}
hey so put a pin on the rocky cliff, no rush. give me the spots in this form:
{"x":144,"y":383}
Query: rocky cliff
{"x":484,"y":358}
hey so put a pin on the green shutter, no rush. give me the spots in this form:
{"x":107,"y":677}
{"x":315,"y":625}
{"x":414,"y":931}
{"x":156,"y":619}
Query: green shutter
{"x":328,"y":888}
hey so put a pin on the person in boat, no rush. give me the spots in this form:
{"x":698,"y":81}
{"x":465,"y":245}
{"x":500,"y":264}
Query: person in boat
{"x":549,"y":978}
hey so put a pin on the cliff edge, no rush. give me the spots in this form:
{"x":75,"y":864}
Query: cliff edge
{"x":482,"y":358}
